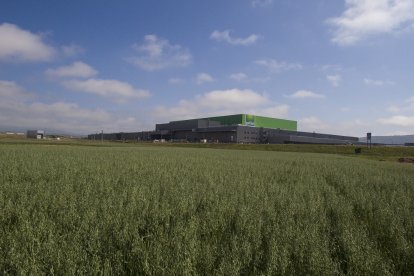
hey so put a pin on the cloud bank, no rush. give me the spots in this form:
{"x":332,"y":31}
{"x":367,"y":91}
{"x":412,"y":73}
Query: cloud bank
{"x":203,"y":78}
{"x":305,"y":94}
{"x":18,"y":108}
{"x":18,"y":45}
{"x":118,"y":90}
{"x":223,"y":102}
{"x":261,"y":3}
{"x":77,"y":69}
{"x":225,"y":36}
{"x":366,"y":18}
{"x":335,"y":80}
{"x":275,"y":66}
{"x":157,"y":53}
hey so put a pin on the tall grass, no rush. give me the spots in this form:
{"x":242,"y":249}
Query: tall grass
{"x":164,"y":210}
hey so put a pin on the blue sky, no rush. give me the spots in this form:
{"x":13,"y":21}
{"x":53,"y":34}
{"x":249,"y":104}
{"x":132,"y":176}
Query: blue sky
{"x":335,"y":66}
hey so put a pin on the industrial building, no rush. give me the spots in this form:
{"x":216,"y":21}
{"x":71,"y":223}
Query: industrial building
{"x":238,"y":128}
{"x":36,"y":134}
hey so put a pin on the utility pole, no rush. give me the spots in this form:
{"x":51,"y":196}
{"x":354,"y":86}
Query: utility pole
{"x":369,"y":140}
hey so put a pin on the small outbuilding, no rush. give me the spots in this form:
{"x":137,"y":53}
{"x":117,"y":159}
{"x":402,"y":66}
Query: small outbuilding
{"x":36,"y":134}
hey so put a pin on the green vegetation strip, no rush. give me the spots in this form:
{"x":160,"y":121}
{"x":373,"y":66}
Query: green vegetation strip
{"x":382,"y":153}
{"x":178,"y":211}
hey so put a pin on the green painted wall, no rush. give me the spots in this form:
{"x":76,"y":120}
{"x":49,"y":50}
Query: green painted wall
{"x":257,"y":121}
{"x":275,"y":123}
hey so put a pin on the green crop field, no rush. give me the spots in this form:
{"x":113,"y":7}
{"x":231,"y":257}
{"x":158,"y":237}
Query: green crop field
{"x":150,"y":210}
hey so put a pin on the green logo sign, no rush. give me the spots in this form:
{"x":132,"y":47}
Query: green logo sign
{"x":250,"y":120}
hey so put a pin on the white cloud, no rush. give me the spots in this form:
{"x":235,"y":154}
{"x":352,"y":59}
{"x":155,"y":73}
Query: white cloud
{"x":229,"y":98}
{"x":352,"y":127}
{"x":175,"y":80}
{"x":10,"y":91}
{"x":157,"y":53}
{"x":238,"y":76}
{"x":312,"y":123}
{"x":274,"y":111}
{"x":72,"y":50}
{"x":18,"y":109}
{"x":335,"y":80}
{"x":59,"y":115}
{"x":332,"y":67}
{"x":69,"y":111}
{"x":377,"y":82}
{"x":398,"y":120}
{"x":224,"y":102}
{"x":120,"y":91}
{"x":305,"y":94}
{"x":203,"y":78}
{"x":377,"y":127}
{"x":278,"y":66}
{"x":394,"y":109}
{"x":225,"y":36}
{"x":76,"y":69}
{"x":117,"y":90}
{"x":365,"y":18}
{"x":261,"y":3}
{"x":242,"y":77}
{"x":23,"y":46}
{"x":405,"y":107}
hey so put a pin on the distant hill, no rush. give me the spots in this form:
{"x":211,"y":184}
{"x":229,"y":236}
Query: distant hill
{"x":390,"y":140}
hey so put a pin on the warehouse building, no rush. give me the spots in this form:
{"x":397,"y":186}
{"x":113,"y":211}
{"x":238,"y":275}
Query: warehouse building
{"x":238,"y":128}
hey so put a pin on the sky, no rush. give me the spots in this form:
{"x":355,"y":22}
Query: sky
{"x":336,"y":66}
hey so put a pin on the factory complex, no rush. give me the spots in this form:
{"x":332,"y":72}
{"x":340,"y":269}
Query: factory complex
{"x":238,"y":128}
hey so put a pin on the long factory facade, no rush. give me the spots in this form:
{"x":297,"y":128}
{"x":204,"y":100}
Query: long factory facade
{"x":238,"y":128}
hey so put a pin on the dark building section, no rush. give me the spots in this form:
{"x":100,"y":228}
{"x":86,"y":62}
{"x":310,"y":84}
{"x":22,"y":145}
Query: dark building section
{"x":36,"y":134}
{"x":123,"y":136}
{"x":224,"y":134}
{"x":280,"y":136}
{"x":226,"y":129}
{"x":188,"y":124}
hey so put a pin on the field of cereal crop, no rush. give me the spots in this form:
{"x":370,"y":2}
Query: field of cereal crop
{"x":168,"y":210}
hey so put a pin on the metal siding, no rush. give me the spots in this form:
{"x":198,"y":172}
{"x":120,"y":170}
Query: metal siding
{"x":314,"y":140}
{"x":211,"y":136}
{"x":247,"y":134}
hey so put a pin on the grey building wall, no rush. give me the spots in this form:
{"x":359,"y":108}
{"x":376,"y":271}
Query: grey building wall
{"x":247,"y":134}
{"x":211,"y":134}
